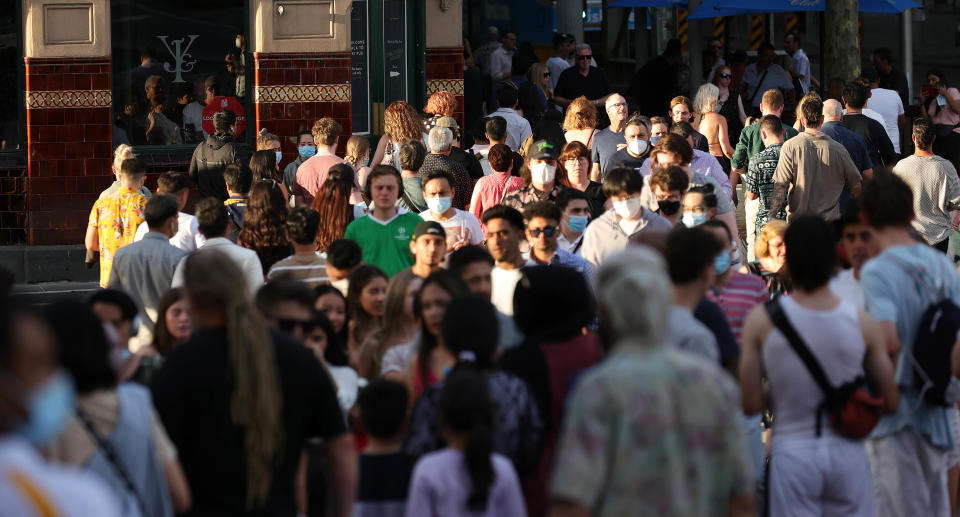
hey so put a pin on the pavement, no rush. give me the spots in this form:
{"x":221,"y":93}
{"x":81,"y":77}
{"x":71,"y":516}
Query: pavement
{"x":47,"y":292}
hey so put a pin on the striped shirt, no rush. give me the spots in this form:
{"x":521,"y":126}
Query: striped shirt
{"x":309,"y":269}
{"x":740,"y":293}
{"x":936,"y":192}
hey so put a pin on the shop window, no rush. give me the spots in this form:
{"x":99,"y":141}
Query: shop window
{"x":175,"y":63}
{"x":12,"y":137}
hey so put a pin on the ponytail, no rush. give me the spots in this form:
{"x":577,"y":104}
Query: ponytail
{"x":479,"y":466}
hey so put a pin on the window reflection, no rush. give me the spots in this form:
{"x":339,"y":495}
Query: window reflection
{"x":11,"y":123}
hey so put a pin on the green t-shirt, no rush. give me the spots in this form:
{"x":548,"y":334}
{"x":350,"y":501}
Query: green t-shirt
{"x":385,"y":245}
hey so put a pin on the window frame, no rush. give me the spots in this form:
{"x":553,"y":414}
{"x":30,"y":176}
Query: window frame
{"x":21,"y":88}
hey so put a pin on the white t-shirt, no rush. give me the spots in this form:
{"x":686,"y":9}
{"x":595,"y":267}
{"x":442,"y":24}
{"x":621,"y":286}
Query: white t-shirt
{"x":556,"y":65}
{"x":846,"y":287}
{"x":463,"y":223}
{"x":890,"y":106}
{"x":188,"y":237}
{"x":504,"y":283}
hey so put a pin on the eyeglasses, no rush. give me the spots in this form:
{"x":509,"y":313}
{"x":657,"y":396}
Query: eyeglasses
{"x":725,"y":76}
{"x":547,"y":232}
{"x":588,"y":56}
{"x":288,"y":325}
{"x":617,"y":105}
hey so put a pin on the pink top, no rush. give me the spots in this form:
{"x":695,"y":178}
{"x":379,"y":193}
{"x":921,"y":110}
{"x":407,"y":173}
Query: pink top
{"x":946,"y":116}
{"x":490,"y":191}
{"x":313,"y":173}
{"x":740,"y":294}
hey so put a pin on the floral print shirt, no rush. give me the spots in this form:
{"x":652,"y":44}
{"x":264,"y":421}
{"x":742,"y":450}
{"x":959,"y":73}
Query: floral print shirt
{"x":116,"y":218}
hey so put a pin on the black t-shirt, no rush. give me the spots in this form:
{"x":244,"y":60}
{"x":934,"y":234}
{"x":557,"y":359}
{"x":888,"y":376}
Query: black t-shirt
{"x":573,"y":84}
{"x":468,"y":161}
{"x":193,"y":393}
{"x":896,"y":81}
{"x":595,"y":199}
{"x":384,"y":478}
{"x":873,"y":133}
{"x":624,"y":158}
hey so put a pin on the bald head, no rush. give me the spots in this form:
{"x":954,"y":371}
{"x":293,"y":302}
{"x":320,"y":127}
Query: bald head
{"x":832,"y":111}
{"x":616,"y":107}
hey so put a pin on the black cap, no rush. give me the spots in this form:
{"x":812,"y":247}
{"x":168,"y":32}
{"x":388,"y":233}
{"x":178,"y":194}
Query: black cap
{"x":563,"y":37}
{"x":541,"y":149}
{"x":429,"y":228}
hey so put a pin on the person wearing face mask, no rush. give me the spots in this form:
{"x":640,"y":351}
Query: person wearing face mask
{"x":306,"y":148}
{"x":699,"y":205}
{"x":461,"y":227}
{"x":541,"y":185}
{"x":543,"y":229}
{"x":612,"y":231}
{"x":636,"y":134}
{"x":574,"y":164}
{"x":576,"y":214}
{"x":668,"y":185}
{"x":36,"y":401}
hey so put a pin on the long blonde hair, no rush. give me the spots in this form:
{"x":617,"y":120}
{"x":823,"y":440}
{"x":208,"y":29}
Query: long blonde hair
{"x":707,"y":97}
{"x":357,"y":146}
{"x":211,"y":279}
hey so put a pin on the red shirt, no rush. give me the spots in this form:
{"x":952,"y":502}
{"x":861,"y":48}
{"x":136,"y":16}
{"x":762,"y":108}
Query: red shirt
{"x":741,"y":293}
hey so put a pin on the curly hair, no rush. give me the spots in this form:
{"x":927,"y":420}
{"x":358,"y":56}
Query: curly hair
{"x":774,"y":228}
{"x":401,"y":123}
{"x":264,"y":224}
{"x":333,"y":204}
{"x":325,"y":131}
{"x":581,"y":114}
{"x":442,"y":103}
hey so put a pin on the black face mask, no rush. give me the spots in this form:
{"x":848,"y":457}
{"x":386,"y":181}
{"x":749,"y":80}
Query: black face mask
{"x":668,"y":207}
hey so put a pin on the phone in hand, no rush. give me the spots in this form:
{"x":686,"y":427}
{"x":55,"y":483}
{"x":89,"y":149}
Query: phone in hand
{"x":929,"y":91}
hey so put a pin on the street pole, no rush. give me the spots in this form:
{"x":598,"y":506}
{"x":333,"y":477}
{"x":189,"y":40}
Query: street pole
{"x":694,"y":50}
{"x":842,"y":40}
{"x":570,"y":18}
{"x":908,"y":50}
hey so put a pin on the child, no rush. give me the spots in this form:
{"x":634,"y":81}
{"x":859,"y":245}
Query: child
{"x":305,"y":264}
{"x":466,"y":477}
{"x":384,"y":469}
{"x":238,"y":180}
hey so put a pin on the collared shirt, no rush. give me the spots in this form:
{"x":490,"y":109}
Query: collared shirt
{"x":759,"y":180}
{"x":527,"y":195}
{"x":518,"y":128}
{"x":570,"y":260}
{"x":501,"y":63}
{"x":568,"y":246}
{"x":188,"y":236}
{"x":801,"y":67}
{"x":116,"y":218}
{"x":751,"y":143}
{"x":936,"y":192}
{"x":145,"y":269}
{"x":705,"y":164}
{"x":247,"y":260}
{"x":816,"y":169}
{"x":773,"y":77}
{"x":851,"y":142}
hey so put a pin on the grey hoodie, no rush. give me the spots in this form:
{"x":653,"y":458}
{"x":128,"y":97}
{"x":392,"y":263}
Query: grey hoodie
{"x":604,"y":236}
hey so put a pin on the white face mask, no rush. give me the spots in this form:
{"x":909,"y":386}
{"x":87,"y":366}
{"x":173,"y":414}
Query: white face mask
{"x":637,"y":147}
{"x":237,"y":42}
{"x":627,"y":208}
{"x":542,"y":173}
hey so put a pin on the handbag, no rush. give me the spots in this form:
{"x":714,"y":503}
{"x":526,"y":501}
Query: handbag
{"x":853,"y":411}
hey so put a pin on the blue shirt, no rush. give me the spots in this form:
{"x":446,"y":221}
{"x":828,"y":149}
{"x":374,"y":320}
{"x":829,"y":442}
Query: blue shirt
{"x":852,"y":142}
{"x":892,"y":295}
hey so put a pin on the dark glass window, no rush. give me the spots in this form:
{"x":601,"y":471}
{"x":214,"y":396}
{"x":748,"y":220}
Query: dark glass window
{"x":175,"y":63}
{"x":12,"y":135}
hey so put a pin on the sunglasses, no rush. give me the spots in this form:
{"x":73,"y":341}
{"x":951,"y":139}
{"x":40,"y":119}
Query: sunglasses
{"x":588,"y":56}
{"x":725,"y":76}
{"x":546,"y":74}
{"x":547,"y":232}
{"x":288,"y":325}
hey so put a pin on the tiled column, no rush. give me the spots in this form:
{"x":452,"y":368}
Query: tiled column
{"x":445,"y":50}
{"x":68,"y":101}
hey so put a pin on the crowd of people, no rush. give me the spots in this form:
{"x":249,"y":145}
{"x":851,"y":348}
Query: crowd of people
{"x":538,"y":315}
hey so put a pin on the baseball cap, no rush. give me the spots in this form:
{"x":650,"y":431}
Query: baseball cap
{"x":562,"y":37}
{"x":448,"y":122}
{"x":493,"y":31}
{"x":428,"y":228}
{"x":541,"y":149}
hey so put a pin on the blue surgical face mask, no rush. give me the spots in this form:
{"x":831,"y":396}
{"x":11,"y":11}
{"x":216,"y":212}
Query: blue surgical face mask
{"x":307,"y":151}
{"x":438,"y":205}
{"x":721,"y":263}
{"x":279,"y":157}
{"x":691,"y":219}
{"x":577,"y":223}
{"x":655,"y":139}
{"x":49,"y":406}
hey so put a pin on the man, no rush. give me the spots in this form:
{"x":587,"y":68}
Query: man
{"x":501,"y":59}
{"x":305,"y":265}
{"x":306,"y":149}
{"x":215,"y":226}
{"x":613,"y":230}
{"x":495,"y":129}
{"x":668,"y":185}
{"x":890,"y":78}
{"x":29,"y":486}
{"x":599,"y":467}
{"x":801,"y":63}
{"x":812,"y":171}
{"x":758,"y":182}
{"x":734,"y":292}
{"x":873,"y":133}
{"x":563,"y":47}
{"x":219,"y":150}
{"x":518,"y":128}
{"x":145,"y":268}
{"x":543,"y":229}
{"x":656,"y":83}
{"x":482,"y":55}
{"x":543,"y":172}
{"x":609,"y":140}
{"x":343,"y":258}
{"x":715,"y":46}
{"x":576,"y":214}
{"x":681,"y":110}
{"x":582,"y":79}
{"x":461,"y":227}
{"x":854,"y":144}
{"x":239,"y":180}
{"x":474,"y":265}
{"x":888,"y":104}
{"x":762,"y":76}
{"x":636,"y":136}
{"x":856,"y":240}
{"x":188,"y":237}
{"x":466,"y":160}
{"x":690,"y":256}
{"x":659,"y":126}
{"x":935,"y":186}
{"x":286,"y":306}
{"x":751,"y":143}
{"x":384,"y":233}
{"x":504,"y":226}
{"x":429,"y":247}
{"x":114,"y":219}
{"x":313,"y":173}
{"x":815,"y":468}
{"x":441,"y":139}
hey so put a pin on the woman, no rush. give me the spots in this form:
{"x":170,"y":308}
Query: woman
{"x":433,"y":359}
{"x":492,"y":189}
{"x":264,"y":224}
{"x":172,"y":329}
{"x":265,"y":167}
{"x":731,"y":105}
{"x":401,"y":123}
{"x":943,"y":110}
{"x":713,"y":125}
{"x":150,"y":480}
{"x":771,"y":258}
{"x":358,"y":156}
{"x":267,"y":141}
{"x":440,"y":104}
{"x":471,"y":330}
{"x":366,"y":304}
{"x":580,"y":122}
{"x":333,"y":205}
{"x":331,"y":302}
{"x":345,"y":378}
{"x":575,"y":173}
{"x":399,"y":324}
{"x":536,"y":97}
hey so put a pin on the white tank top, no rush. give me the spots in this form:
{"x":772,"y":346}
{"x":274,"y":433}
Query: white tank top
{"x":835,"y":339}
